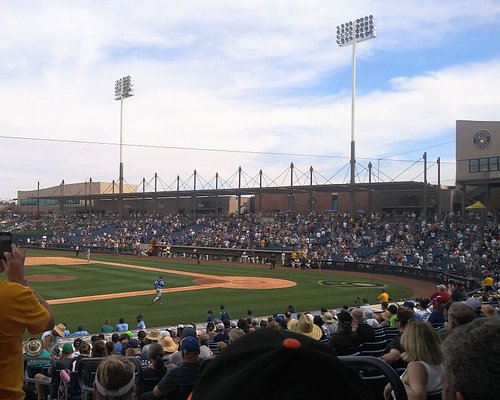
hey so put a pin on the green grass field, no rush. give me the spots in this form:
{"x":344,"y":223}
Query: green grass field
{"x":192,"y":306}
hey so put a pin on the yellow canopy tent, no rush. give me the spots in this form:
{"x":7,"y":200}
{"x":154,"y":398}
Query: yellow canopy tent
{"x":476,"y":206}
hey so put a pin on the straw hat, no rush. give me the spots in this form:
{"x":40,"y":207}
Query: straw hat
{"x":306,"y":326}
{"x":154,"y":335}
{"x":328,"y":317}
{"x":33,"y":347}
{"x":168,"y":344}
{"x":59,"y":329}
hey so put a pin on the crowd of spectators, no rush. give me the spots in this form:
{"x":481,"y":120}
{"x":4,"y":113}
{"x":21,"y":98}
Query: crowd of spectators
{"x":244,"y":350}
{"x":452,"y":244}
{"x":248,"y":353}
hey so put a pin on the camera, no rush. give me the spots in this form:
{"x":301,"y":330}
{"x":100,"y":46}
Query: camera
{"x":5,"y":243}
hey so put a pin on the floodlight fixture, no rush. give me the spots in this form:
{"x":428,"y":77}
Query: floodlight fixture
{"x":124,"y":88}
{"x":356,"y":31}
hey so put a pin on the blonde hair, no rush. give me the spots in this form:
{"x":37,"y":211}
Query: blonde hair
{"x":421,"y":342}
{"x":114,"y":373}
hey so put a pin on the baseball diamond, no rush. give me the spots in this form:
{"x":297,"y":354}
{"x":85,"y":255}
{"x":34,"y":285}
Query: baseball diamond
{"x":123,"y":288}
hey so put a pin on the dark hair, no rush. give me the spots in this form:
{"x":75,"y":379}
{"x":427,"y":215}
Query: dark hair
{"x":243,"y":324}
{"x":156,"y":354}
{"x":269,"y":364}
{"x":393,"y":309}
{"x":424,"y":303}
{"x":121,"y":321}
{"x":404,"y":315}
{"x":115,"y":337}
{"x":84,"y":348}
{"x":99,"y":349}
{"x":110,"y":347}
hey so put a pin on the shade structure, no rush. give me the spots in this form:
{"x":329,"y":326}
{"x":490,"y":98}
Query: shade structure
{"x":476,"y":206}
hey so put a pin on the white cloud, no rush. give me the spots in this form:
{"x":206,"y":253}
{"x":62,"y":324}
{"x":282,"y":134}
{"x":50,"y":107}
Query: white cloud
{"x":258,"y":76}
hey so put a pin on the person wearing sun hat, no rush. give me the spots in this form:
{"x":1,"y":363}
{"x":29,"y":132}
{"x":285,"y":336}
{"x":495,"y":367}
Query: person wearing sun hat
{"x":272,"y":364}
{"x":168,"y":344}
{"x":50,"y":338}
{"x":306,"y":326}
{"x":152,"y":337}
{"x":33,"y":349}
{"x":330,"y":326}
{"x":188,"y":331}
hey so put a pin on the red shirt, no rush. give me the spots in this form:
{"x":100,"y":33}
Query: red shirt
{"x":445,"y":296}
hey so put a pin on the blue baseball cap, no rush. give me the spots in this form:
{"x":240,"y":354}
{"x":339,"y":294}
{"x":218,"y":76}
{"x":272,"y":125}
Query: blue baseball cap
{"x":190,"y":344}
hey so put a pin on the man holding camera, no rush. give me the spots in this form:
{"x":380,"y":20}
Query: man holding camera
{"x":22,"y":308}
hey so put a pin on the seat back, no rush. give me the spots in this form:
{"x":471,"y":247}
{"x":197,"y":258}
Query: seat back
{"x":213,"y":347}
{"x":87,"y":368}
{"x":146,"y":385}
{"x":375,"y":349}
{"x":349,"y":351}
{"x":376,"y":373}
{"x":178,"y":391}
{"x":33,"y":366}
{"x":184,"y":391}
{"x":391,"y":333}
{"x":435,"y":395}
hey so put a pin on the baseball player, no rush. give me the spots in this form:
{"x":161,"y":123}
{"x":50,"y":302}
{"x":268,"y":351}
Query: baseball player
{"x":159,"y":284}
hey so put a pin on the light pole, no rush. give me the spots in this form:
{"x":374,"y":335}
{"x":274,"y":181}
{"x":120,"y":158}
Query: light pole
{"x":348,"y":34}
{"x":123,"y":89}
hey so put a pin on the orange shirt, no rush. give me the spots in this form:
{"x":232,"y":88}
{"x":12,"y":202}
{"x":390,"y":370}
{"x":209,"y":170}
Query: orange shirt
{"x":20,"y":310}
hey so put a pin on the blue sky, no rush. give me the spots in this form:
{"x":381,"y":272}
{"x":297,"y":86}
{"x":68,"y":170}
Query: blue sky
{"x":262,"y":76}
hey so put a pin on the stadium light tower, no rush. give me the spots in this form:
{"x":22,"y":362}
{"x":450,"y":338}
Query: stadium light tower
{"x":123,"y":89}
{"x":348,"y":34}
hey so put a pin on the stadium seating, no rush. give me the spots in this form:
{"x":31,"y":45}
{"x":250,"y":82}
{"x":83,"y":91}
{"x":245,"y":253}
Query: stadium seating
{"x":349,"y":351}
{"x":374,"y":348}
{"x":376,"y":374}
